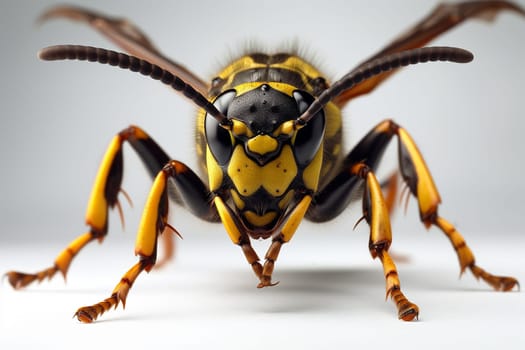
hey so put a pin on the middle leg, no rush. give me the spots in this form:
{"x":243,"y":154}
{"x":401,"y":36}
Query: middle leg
{"x":195,"y":196}
{"x":359,"y":178}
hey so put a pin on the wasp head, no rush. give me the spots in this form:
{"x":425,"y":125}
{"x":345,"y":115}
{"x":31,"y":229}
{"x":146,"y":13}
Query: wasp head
{"x":263,"y":152}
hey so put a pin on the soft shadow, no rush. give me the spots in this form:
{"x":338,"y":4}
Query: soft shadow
{"x":307,"y":290}
{"x":333,"y":289}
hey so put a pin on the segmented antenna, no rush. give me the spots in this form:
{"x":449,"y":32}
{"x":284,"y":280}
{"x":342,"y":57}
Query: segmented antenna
{"x":381,"y":65}
{"x":124,"y":61}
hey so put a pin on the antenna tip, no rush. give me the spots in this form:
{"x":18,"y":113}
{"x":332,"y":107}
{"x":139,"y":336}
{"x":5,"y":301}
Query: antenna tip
{"x":462,"y":56}
{"x":49,"y":54}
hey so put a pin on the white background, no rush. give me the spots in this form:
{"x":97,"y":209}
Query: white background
{"x":57,"y":118}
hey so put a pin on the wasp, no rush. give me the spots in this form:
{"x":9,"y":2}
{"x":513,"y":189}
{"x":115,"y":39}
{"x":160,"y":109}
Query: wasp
{"x":269,"y":142}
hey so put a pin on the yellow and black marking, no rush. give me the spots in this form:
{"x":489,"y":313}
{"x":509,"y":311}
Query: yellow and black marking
{"x":269,"y":139}
{"x":263,"y":163}
{"x":285,"y":73}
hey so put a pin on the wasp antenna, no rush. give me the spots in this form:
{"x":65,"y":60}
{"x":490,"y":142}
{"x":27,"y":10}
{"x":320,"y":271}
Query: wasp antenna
{"x":381,"y":65}
{"x":132,"y":63}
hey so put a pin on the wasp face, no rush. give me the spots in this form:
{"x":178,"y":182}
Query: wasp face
{"x":262,"y":158}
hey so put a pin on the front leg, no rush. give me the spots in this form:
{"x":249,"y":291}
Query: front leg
{"x":239,"y":237}
{"x":287,"y":231}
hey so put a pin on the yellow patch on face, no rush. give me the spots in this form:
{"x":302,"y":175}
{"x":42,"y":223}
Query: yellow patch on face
{"x":262,"y":144}
{"x":239,"y":128}
{"x":214,"y":171}
{"x":274,"y":177}
{"x":239,"y":203}
{"x":287,"y":128}
{"x":285,"y":201}
{"x":259,"y":220}
{"x":313,"y":170}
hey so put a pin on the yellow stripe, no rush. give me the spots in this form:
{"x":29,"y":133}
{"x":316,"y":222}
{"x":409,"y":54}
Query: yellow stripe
{"x":427,"y":193}
{"x":96,"y":214}
{"x":260,"y":220}
{"x":313,"y":170}
{"x":239,"y":203}
{"x":63,"y":260}
{"x":300,"y":66}
{"x":262,"y":144}
{"x":147,"y":234}
{"x":249,"y":86}
{"x":295,"y":218}
{"x":380,"y":230}
{"x":238,"y":66}
{"x":292,"y":63}
{"x":227,"y":220}
{"x":214,"y":171}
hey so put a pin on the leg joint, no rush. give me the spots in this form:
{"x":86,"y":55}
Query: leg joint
{"x":360,"y":170}
{"x":377,"y":248}
{"x":133,"y":131}
{"x":174,"y":168}
{"x":388,"y":126}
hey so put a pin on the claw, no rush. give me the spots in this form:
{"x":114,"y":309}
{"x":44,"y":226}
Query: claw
{"x":19,"y":280}
{"x":266,"y":281}
{"x":408,"y":312}
{"x":88,"y":314}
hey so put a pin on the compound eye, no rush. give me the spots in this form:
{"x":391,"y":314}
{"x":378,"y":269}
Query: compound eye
{"x":219,"y":140}
{"x":309,"y":137}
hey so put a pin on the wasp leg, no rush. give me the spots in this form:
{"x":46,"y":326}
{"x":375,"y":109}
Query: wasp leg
{"x":420,"y":183}
{"x":88,"y":314}
{"x":129,"y":37}
{"x":332,"y":199}
{"x":169,"y":250}
{"x":287,"y":231}
{"x":390,"y":192}
{"x":154,"y":222}
{"x":19,"y":280}
{"x":376,"y":214}
{"x":104,"y":196}
{"x":440,"y":20}
{"x":358,"y":179}
{"x":263,"y":272}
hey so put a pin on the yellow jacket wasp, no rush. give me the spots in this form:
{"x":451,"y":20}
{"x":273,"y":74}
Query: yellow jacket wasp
{"x":269,"y":137}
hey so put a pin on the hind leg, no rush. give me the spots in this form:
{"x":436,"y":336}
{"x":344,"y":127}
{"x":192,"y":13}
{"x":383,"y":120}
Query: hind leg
{"x":416,"y":175}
